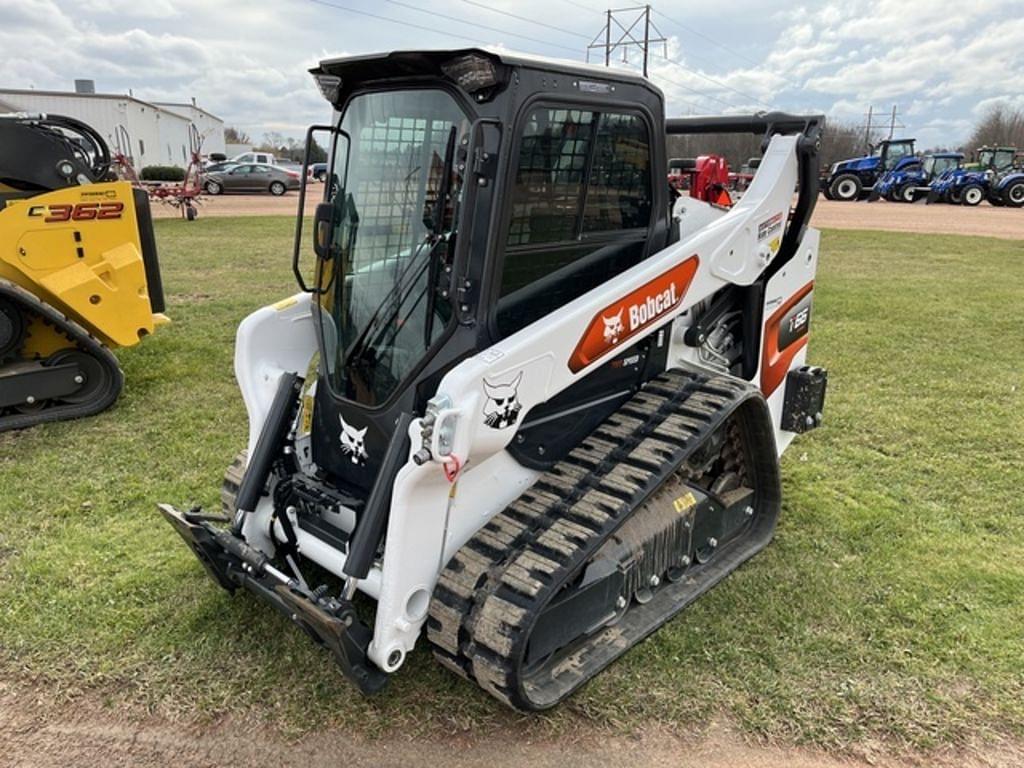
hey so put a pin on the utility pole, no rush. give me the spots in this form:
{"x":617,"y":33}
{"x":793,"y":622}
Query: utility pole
{"x":647,"y":34}
{"x":625,"y":23}
{"x":607,"y":41}
{"x":870,"y":127}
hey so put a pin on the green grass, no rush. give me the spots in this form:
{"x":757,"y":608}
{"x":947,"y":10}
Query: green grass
{"x":889,"y":607}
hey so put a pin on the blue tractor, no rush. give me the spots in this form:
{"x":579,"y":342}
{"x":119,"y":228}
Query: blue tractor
{"x":990,"y":177}
{"x":854,"y":179}
{"x":912,"y":176}
{"x":1007,"y":188}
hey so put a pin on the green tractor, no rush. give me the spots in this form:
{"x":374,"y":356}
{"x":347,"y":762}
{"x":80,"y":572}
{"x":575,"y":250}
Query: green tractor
{"x":998,"y":159}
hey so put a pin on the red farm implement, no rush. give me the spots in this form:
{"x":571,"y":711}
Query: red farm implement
{"x":184,"y":195}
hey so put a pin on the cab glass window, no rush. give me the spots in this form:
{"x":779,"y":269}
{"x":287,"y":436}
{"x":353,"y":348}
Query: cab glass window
{"x":895,"y":153}
{"x":580,"y":209}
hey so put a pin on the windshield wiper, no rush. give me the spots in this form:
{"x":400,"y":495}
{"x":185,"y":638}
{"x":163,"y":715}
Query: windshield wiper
{"x":393,"y":300}
{"x":399,"y":292}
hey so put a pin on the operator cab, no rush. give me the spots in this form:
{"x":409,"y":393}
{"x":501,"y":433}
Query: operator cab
{"x":998,"y":159}
{"x":935,"y":165}
{"x":468,"y":195}
{"x":891,"y":151}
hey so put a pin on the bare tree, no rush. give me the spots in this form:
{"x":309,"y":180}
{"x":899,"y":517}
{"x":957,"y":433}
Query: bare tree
{"x":839,"y":141}
{"x":234,"y":135}
{"x":737,"y":148}
{"x":1001,"y":125}
{"x":274,"y":142}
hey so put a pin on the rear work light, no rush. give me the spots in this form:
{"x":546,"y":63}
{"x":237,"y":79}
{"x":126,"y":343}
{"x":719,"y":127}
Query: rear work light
{"x":329,"y":85}
{"x":472,"y":73}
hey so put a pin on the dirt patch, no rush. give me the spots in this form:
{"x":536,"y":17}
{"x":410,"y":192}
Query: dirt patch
{"x":983,"y":221}
{"x":246,"y":205}
{"x":31,"y":737}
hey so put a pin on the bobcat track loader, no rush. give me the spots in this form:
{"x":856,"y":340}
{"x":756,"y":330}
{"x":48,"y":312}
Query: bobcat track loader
{"x":529,"y":402}
{"x":78,"y":271}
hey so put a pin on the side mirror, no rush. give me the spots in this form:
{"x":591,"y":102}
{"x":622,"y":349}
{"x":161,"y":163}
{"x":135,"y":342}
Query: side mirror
{"x":326,"y":212}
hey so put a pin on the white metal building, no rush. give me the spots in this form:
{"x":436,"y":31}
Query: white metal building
{"x":211,"y":127}
{"x":158,"y":133}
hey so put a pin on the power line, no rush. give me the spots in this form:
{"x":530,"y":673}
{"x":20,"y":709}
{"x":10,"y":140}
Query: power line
{"x":724,"y":47}
{"x":581,"y":6}
{"x":687,"y":102}
{"x":701,"y":35}
{"x":435,"y":30}
{"x":871,"y":125}
{"x":524,"y":18}
{"x":679,"y":24}
{"x":629,"y":19}
{"x":397,"y":21}
{"x":627,"y":39}
{"x":717,"y":82}
{"x":481,"y":26}
{"x":701,"y":94}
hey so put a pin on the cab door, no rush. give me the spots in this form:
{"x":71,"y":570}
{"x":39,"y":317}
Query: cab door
{"x":582,"y":209}
{"x":894,"y":152}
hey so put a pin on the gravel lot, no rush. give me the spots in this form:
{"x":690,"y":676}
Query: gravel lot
{"x":983,"y":221}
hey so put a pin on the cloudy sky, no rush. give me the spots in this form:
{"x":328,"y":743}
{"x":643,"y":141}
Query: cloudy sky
{"x":942,"y":62}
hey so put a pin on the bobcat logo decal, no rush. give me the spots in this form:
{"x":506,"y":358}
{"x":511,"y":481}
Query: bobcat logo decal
{"x":502,"y":407}
{"x":352,"y":442}
{"x":613,"y":328}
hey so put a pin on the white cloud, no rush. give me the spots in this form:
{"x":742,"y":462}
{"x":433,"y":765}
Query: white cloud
{"x":134,"y":9}
{"x":246,"y":60}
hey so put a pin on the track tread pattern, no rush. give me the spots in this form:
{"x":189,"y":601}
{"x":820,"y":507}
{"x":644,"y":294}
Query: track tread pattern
{"x":82,"y":340}
{"x":494,"y":587}
{"x":232,"y":482}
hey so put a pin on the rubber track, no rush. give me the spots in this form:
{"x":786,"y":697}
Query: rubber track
{"x":495,"y":586}
{"x":85,"y":342}
{"x":232,"y":481}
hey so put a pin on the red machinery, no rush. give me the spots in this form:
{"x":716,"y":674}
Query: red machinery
{"x":183,"y":195}
{"x":706,"y":176}
{"x":739,"y":181}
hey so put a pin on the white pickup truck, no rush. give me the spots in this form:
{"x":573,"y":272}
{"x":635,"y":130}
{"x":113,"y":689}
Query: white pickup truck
{"x":260,"y":158}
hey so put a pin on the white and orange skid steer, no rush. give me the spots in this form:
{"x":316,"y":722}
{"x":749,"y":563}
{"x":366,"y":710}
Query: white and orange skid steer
{"x":529,"y":400}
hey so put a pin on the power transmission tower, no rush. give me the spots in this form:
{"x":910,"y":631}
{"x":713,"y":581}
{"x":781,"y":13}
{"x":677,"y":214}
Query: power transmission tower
{"x":625,"y":25}
{"x":872,"y":126}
